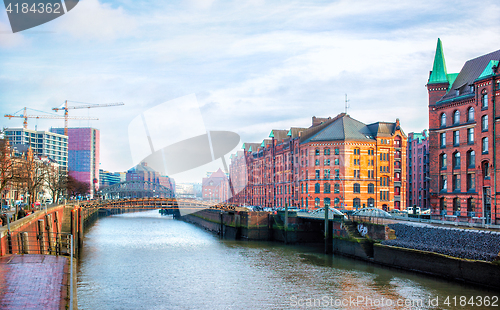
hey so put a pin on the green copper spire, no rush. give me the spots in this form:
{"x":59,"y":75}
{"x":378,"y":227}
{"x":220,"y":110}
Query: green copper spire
{"x":439,"y":74}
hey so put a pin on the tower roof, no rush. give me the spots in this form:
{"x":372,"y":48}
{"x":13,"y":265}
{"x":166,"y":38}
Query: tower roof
{"x":439,"y":74}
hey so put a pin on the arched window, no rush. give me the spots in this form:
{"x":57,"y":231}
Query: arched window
{"x":316,"y":202}
{"x":470,"y":114}
{"x":456,"y":117}
{"x":336,"y":201}
{"x":456,"y":160}
{"x":384,"y":181}
{"x":302,"y":188}
{"x":327,"y":188}
{"x":356,"y":203}
{"x":443,"y":119}
{"x":442,"y":205}
{"x":371,"y":188}
{"x":484,"y":123}
{"x":356,"y":188}
{"x":336,"y":188}
{"x":442,"y":161}
{"x":397,"y":141}
{"x":302,"y":202}
{"x":316,"y":188}
{"x":326,"y":202}
{"x":371,"y":202}
{"x":471,"y":159}
{"x":486,"y":169}
{"x":397,"y":176}
{"x":484,"y":99}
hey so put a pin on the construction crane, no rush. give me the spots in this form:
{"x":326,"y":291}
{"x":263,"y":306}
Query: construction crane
{"x":26,"y":116}
{"x":86,"y":106}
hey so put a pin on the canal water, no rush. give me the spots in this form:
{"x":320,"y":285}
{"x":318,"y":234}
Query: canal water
{"x":147,"y":261}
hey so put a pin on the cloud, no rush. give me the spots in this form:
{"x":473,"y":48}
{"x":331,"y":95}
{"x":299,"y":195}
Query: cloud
{"x":8,"y":39}
{"x":93,"y":20}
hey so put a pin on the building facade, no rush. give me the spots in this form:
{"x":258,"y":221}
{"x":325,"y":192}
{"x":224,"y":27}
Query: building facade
{"x":142,"y":172}
{"x":107,"y":178}
{"x":338,"y":162}
{"x":418,"y":171}
{"x":83,"y":155}
{"x":43,"y":143}
{"x":463,"y":138}
{"x":215,"y":187}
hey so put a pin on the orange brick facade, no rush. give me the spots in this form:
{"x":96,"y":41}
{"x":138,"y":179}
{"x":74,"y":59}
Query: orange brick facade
{"x":307,"y":168}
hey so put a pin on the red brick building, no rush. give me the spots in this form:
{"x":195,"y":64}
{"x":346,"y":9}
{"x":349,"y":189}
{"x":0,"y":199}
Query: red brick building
{"x":338,"y":162}
{"x":418,"y":170}
{"x":463,"y":111}
{"x":215,"y":187}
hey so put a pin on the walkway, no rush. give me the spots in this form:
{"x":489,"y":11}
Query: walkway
{"x":33,"y":281}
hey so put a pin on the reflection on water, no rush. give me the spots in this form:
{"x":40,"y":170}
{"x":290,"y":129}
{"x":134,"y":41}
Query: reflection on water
{"x":147,"y":261}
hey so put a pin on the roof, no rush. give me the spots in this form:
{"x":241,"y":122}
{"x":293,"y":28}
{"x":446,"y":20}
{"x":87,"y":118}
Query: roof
{"x":141,"y":167}
{"x":438,"y":74}
{"x":345,"y":128}
{"x":279,"y":134}
{"x":474,"y":69}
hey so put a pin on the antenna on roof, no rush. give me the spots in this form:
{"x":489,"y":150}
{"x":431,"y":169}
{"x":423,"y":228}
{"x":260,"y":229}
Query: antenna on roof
{"x":346,"y":104}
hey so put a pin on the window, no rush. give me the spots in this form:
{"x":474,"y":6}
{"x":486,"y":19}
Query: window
{"x":316,"y":152}
{"x":470,"y":114}
{"x":356,"y":174}
{"x":327,"y":202}
{"x":336,"y":201}
{"x":356,"y":188}
{"x":442,"y":161}
{"x":443,"y":120}
{"x":370,"y":152}
{"x":471,"y":181}
{"x":317,"y":174}
{"x":326,"y":162}
{"x":484,"y":123}
{"x":456,"y":206}
{"x":471,"y":206}
{"x":456,"y":138}
{"x":302,"y":188}
{"x":316,"y":202}
{"x":327,"y":151}
{"x":326,"y":173}
{"x":443,"y":139}
{"x":371,"y":202}
{"x":384,"y":181}
{"x":337,"y":173}
{"x":316,"y":162}
{"x":356,"y":151}
{"x":456,"y":117}
{"x":336,"y":188}
{"x":484,"y":99}
{"x":316,"y":188}
{"x":456,"y":160}
{"x":336,"y":151}
{"x":336,"y":161}
{"x":442,"y":204}
{"x":456,"y":182}
{"x":485,"y":145}
{"x":470,"y":135}
{"x":327,"y":188}
{"x":356,"y":203}
{"x":443,"y":184}
{"x":471,"y":159}
{"x":371,"y":188}
{"x":356,"y":161}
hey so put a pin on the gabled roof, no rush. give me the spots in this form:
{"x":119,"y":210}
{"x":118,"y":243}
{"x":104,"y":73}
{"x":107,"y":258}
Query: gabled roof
{"x":250,"y":147}
{"x":382,"y":129}
{"x":294,"y":132}
{"x":471,"y":71}
{"x":279,"y":134}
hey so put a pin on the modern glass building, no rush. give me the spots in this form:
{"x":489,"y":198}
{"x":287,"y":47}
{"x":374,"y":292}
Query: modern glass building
{"x":50,"y":144}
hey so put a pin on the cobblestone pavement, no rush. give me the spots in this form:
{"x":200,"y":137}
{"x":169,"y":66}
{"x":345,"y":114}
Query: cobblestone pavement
{"x":32,"y":281}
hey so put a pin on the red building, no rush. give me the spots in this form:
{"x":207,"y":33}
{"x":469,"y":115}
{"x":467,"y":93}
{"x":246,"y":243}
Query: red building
{"x":215,"y":187}
{"x":418,"y":170}
{"x":462,"y":139}
{"x":337,"y":162}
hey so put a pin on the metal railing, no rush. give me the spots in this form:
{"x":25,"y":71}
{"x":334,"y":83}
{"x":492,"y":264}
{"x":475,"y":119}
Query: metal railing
{"x":447,"y":220}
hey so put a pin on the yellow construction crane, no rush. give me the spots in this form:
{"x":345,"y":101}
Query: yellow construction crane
{"x":86,"y":106}
{"x":26,"y":116}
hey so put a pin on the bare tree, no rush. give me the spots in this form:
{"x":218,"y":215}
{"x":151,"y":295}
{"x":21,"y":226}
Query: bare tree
{"x":76,"y":188}
{"x":30,"y":173}
{"x":6,"y":171}
{"x":57,"y":179}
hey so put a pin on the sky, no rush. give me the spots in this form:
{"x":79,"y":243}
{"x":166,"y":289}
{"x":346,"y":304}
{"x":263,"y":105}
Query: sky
{"x":251,"y":65}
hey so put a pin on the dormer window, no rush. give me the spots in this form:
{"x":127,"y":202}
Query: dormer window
{"x":457,"y":92}
{"x":471,"y":89}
